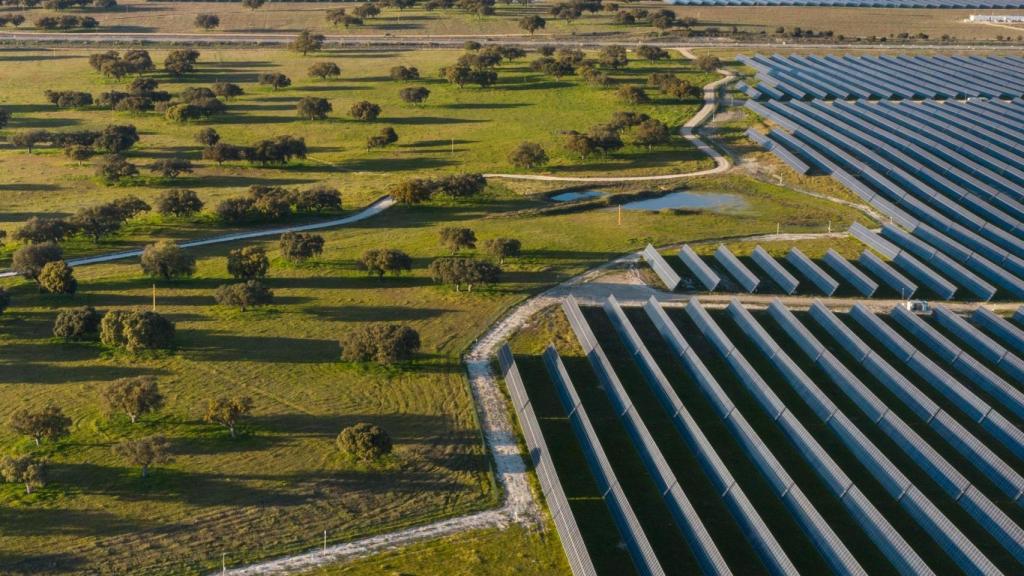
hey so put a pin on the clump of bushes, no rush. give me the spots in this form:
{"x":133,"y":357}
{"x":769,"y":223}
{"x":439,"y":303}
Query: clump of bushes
{"x":422,"y":189}
{"x":136,"y":330}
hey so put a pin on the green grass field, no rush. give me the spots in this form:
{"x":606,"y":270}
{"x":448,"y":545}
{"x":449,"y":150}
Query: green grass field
{"x":510,"y":552}
{"x":457,"y":130}
{"x":274,"y":490}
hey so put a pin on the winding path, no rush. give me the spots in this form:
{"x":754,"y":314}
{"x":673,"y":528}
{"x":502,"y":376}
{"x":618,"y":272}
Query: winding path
{"x":712,"y":94}
{"x":379,"y":205}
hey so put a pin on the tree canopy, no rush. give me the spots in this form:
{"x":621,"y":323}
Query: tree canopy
{"x":243,"y":295}
{"x":248,"y":263}
{"x":381,"y":261}
{"x":228,"y":411}
{"x":165,"y":259}
{"x":380,"y":342}
{"x":50,"y":423}
{"x":133,"y":396}
{"x":365,"y":441}
{"x":57,"y":278}
{"x":144,"y":452}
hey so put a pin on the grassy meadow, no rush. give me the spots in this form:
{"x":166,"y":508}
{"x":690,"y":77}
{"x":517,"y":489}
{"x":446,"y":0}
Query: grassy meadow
{"x":456,"y":130}
{"x":510,"y":552}
{"x":277,"y":487}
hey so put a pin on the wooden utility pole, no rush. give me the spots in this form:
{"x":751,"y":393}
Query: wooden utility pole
{"x":620,"y":214}
{"x":154,"y":297}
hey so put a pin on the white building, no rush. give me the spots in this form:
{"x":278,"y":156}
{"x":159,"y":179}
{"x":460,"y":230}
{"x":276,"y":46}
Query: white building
{"x":1004,"y":18}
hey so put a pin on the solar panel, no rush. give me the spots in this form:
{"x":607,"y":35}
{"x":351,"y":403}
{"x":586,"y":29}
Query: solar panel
{"x":986,"y":347}
{"x":812,"y":272}
{"x":859,"y":280}
{"x":875,"y":526}
{"x":662,"y":268}
{"x":698,"y":268}
{"x":565,"y":523}
{"x":747,"y":279}
{"x":960,"y":361}
{"x":753,"y":526}
{"x":774,"y":270}
{"x":622,"y":513}
{"x":1001,"y":328}
{"x":898,"y":282}
{"x":668,"y":486}
{"x":965,"y":400}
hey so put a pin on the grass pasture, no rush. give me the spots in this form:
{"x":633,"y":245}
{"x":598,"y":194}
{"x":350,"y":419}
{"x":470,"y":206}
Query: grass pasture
{"x":457,"y":130}
{"x":275,"y":489}
{"x":510,"y":552}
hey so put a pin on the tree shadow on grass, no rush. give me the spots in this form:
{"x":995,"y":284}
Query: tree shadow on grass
{"x":374,"y":313}
{"x":366,"y":283}
{"x":32,"y":122}
{"x":34,"y":521}
{"x":242,"y":119}
{"x":232,"y":181}
{"x":239,"y":64}
{"x":328,"y":86}
{"x":396,"y":164}
{"x":284,"y":105}
{"x":483,"y":105}
{"x":220,"y":346}
{"x":35,"y":564}
{"x":436,"y":143}
{"x":426,"y":120}
{"x":533,"y":85}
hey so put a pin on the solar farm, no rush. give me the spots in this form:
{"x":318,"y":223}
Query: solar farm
{"x":945,"y":172}
{"x":827,"y":426}
{"x":778,"y":440}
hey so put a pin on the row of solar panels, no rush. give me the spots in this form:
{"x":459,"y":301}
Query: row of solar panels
{"x":960,"y":199}
{"x":997,"y":4}
{"x":822,"y":280}
{"x":885,"y":77}
{"x":916,"y":504}
{"x":540,"y":457}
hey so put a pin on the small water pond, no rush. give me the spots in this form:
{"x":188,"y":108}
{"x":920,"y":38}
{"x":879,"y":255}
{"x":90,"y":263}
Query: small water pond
{"x":687,"y":200}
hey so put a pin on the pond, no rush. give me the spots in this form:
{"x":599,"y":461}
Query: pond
{"x":687,"y":200}
{"x":575,"y":195}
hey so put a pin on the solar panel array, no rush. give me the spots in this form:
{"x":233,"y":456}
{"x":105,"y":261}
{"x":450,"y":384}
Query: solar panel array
{"x":960,"y":489}
{"x":949,"y":387}
{"x":668,"y":486}
{"x":662,"y":268}
{"x":949,"y":175}
{"x":899,"y":77}
{"x":561,"y":514}
{"x":622,"y":513}
{"x":954,"y":356}
{"x":982,"y":344}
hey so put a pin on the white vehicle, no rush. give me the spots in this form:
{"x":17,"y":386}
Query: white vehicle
{"x":918,"y":306}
